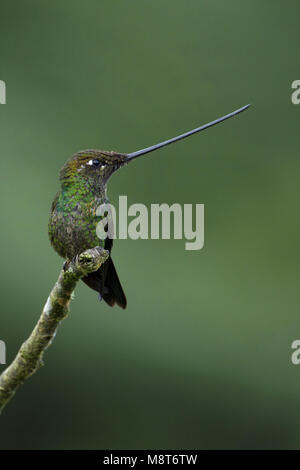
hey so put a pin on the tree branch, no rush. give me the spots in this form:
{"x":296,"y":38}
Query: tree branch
{"x":29,"y":357}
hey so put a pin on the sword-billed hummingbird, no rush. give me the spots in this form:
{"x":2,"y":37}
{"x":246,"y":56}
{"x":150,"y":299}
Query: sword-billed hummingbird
{"x":73,"y":219}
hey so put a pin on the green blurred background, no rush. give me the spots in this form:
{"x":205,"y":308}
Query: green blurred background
{"x":202,"y":356}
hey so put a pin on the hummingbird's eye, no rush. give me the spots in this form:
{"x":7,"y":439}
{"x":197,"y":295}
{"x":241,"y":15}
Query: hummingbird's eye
{"x":95,"y":162}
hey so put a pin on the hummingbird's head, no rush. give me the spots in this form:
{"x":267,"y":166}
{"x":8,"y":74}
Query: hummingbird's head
{"x":92,"y":166}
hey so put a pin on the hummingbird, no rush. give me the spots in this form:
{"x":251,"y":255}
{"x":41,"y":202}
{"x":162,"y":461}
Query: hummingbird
{"x":83,"y":188}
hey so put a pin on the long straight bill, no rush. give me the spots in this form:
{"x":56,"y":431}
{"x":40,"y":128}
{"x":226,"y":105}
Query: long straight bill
{"x":186,"y":134}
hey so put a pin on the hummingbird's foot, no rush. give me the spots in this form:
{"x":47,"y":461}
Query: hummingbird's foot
{"x":85,"y":263}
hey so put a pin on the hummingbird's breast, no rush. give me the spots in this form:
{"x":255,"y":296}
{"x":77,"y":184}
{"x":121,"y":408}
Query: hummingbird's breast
{"x":73,"y":223}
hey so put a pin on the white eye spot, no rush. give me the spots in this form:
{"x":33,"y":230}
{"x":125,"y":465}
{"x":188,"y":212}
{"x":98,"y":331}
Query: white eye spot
{"x":90,"y":162}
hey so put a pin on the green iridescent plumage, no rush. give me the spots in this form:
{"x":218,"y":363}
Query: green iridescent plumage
{"x":73,"y":220}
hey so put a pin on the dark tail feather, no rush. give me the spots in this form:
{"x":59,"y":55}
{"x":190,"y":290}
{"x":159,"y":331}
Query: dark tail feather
{"x":107,"y":283}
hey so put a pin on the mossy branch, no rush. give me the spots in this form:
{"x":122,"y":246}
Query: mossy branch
{"x":29,"y":357}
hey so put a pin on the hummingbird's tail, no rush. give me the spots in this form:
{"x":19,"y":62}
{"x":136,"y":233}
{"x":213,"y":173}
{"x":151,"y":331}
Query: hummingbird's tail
{"x":106,"y":282}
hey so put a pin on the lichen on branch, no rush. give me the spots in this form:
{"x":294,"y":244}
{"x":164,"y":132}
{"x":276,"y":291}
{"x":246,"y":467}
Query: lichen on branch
{"x":29,"y":358}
